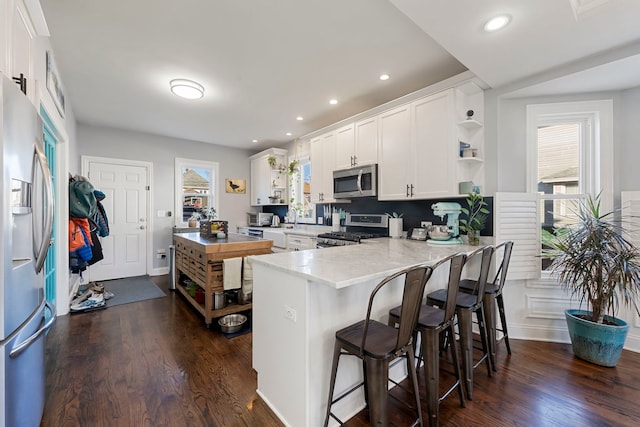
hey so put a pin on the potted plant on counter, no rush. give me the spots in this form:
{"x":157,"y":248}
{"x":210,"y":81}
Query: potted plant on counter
{"x":476,"y":212}
{"x":597,"y":265}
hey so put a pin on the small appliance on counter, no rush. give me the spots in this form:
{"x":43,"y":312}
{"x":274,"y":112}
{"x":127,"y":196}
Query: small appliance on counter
{"x":418,"y":233}
{"x":275,"y":221}
{"x":259,"y":219}
{"x":446,"y":234}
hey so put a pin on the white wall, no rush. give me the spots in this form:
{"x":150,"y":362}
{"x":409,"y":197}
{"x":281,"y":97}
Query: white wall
{"x":628,"y":147}
{"x":162,"y":151}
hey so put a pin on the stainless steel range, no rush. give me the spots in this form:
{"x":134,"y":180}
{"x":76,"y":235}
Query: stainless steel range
{"x":358,"y":227}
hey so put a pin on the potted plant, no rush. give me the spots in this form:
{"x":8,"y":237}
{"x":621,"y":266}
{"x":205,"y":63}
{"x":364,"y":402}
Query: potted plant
{"x":272,"y":161}
{"x":596,"y":264}
{"x":293,"y":166}
{"x":476,"y":213}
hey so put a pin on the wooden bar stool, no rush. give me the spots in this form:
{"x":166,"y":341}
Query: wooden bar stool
{"x":433,"y":323}
{"x":466,"y":305}
{"x":492,"y":298}
{"x":377,"y":344}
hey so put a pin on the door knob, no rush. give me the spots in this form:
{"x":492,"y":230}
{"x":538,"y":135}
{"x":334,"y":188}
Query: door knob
{"x":142,"y":227}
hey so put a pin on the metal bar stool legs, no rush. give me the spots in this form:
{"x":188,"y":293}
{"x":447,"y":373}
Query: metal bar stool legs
{"x":433,"y":324}
{"x":377,"y":344}
{"x":430,"y":350}
{"x":466,"y":305}
{"x":465,"y":328}
{"x":493,"y":299}
{"x":503,"y":321}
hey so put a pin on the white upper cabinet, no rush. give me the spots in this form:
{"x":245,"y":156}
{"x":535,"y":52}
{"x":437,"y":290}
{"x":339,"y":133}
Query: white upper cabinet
{"x":366,"y":152}
{"x":345,"y":146}
{"x":323,"y":161}
{"x":420,"y":147}
{"x":269,"y":181}
{"x":17,"y":44}
{"x":416,"y":150}
{"x":434,"y":134}
{"x":417,"y":146}
{"x":396,"y":154}
{"x":357,"y":144}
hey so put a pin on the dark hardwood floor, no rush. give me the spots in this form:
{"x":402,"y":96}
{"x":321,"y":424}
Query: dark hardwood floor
{"x":153,"y":363}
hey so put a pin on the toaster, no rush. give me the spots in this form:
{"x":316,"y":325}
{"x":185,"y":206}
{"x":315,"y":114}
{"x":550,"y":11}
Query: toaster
{"x":259,"y":219}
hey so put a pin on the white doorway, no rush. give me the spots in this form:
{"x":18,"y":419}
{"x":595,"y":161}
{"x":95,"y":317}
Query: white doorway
{"x":126,"y":185}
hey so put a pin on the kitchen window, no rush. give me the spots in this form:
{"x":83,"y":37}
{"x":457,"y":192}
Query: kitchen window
{"x":570,"y":152}
{"x":196,"y":188}
{"x":300,"y":190}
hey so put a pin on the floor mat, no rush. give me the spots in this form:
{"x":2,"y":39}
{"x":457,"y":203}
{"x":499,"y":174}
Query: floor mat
{"x":131,"y":289}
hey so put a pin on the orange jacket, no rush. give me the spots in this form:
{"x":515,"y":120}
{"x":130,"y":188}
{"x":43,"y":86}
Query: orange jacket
{"x":76,"y":239}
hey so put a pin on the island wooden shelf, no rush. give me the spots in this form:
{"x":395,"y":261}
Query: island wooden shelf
{"x":200,"y":259}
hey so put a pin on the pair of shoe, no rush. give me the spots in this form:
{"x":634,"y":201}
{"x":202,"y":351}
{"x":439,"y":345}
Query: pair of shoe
{"x":98,"y":288}
{"x":94,"y":300}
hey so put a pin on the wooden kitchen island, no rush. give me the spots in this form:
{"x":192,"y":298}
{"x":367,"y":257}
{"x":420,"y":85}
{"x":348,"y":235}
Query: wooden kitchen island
{"x":200,"y":259}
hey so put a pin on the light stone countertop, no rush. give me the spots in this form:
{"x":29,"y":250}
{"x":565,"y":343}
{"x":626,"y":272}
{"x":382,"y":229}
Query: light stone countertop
{"x":373,"y":259}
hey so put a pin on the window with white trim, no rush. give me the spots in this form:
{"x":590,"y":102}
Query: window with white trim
{"x":300,"y":189}
{"x":196,"y":184}
{"x":569,"y":156}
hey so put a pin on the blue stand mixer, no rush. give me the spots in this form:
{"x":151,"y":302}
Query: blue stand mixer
{"x":452,"y":211}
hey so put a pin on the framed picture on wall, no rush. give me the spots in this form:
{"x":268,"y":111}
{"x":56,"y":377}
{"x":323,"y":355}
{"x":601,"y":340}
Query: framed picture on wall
{"x":238,"y":186}
{"x":53,"y":84}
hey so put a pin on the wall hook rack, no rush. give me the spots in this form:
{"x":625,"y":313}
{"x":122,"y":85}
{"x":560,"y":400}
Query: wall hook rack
{"x":22,"y":82}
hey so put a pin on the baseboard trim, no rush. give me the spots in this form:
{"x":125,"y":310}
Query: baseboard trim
{"x":159,"y":271}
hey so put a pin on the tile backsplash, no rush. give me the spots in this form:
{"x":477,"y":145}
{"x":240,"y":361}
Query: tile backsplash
{"x":413,"y":211}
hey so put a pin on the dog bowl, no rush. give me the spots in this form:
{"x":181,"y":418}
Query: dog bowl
{"x":232,"y":323}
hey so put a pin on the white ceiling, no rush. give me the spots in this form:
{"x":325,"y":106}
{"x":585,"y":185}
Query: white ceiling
{"x":265,"y":62}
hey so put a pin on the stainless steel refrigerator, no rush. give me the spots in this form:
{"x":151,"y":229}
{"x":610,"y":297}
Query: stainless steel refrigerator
{"x":26,"y":217}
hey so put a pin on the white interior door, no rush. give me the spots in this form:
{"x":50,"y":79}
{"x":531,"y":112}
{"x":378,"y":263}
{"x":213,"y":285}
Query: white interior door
{"x":125,"y":185}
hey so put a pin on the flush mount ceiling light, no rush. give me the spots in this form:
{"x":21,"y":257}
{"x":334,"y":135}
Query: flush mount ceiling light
{"x":497,"y":23}
{"x":186,"y":88}
{"x":299,"y":118}
{"x":333,"y":101}
{"x":288,"y":134}
{"x":384,"y":77}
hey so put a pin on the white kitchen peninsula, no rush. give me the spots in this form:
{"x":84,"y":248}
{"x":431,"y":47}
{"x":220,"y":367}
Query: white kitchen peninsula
{"x":300,"y":299}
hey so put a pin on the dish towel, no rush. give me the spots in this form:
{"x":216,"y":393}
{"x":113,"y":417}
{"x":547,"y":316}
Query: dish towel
{"x":232,"y":273}
{"x":247,"y":282}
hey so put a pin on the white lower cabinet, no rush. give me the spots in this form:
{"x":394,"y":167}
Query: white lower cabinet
{"x":297,"y":242}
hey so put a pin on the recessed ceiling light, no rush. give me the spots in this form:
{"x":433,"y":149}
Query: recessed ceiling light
{"x":497,"y":23}
{"x":384,"y":77}
{"x":299,"y":118}
{"x":288,"y":134}
{"x":254,"y":140}
{"x":333,"y":101}
{"x":187,"y":88}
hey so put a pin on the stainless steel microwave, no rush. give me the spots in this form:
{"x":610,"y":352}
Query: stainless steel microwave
{"x":361,"y":181}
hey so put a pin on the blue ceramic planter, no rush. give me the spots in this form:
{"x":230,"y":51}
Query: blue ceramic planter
{"x":595,"y":342}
